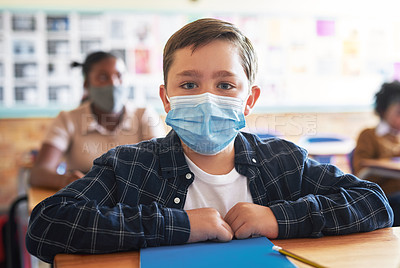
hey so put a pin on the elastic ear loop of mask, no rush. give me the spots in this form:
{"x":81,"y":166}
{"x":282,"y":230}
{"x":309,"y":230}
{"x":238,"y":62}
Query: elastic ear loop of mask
{"x":245,"y":100}
{"x":166,"y":94}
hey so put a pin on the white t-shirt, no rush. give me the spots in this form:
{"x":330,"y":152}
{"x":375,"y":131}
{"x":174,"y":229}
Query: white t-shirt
{"x":221,"y":192}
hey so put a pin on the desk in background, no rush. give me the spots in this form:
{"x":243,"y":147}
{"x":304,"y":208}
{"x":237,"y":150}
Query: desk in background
{"x":36,"y":194}
{"x":388,"y":168}
{"x":329,"y":148}
{"x":380,"y":248}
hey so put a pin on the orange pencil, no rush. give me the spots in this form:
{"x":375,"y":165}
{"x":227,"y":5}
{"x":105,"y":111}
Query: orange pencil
{"x":297,"y":257}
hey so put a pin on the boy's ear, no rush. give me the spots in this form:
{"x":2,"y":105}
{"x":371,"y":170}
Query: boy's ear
{"x":165,"y":101}
{"x":252,"y":99}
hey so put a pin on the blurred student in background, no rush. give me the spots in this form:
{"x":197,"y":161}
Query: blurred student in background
{"x":383,"y":141}
{"x":103,"y":120}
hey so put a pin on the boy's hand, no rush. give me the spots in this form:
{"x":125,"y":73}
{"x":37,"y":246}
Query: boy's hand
{"x":247,"y":219}
{"x":207,"y":224}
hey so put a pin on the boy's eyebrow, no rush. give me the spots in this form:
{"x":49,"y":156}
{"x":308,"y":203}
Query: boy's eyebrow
{"x":191,"y":73}
{"x":223,"y":74}
{"x":194,"y":73}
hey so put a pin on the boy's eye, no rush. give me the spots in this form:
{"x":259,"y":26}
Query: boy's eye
{"x":189,"y":85}
{"x":225,"y":86}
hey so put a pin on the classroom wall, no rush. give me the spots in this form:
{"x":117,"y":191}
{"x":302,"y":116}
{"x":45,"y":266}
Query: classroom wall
{"x":19,"y":136}
{"x":311,"y":52}
{"x":338,"y":7}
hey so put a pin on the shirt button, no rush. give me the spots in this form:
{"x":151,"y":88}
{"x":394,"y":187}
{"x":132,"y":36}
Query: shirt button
{"x":177,"y":200}
{"x":188,"y":176}
{"x":254,"y":160}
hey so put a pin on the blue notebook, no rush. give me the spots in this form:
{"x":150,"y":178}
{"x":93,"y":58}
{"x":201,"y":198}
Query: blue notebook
{"x":252,"y":252}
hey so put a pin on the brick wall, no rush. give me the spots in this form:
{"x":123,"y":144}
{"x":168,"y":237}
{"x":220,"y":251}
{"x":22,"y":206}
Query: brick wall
{"x":17,"y":138}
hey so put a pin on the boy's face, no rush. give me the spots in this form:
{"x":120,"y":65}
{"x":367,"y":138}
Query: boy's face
{"x":215,"y":68}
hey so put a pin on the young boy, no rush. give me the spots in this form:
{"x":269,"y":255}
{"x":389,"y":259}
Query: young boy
{"x":205,"y":180}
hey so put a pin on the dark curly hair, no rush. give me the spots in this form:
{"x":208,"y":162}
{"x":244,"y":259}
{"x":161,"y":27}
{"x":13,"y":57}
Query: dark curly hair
{"x":387,"y":95}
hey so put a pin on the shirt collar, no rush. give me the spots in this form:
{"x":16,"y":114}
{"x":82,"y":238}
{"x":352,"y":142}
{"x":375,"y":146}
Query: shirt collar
{"x":172,"y":158}
{"x":245,"y":149}
{"x":383,"y":128}
{"x":126,"y":120}
{"x":93,"y":124}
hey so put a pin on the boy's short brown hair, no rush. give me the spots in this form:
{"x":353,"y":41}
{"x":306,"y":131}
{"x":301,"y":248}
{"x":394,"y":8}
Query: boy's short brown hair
{"x":203,"y":31}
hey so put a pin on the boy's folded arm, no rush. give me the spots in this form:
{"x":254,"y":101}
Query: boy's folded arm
{"x":360,"y":207}
{"x":65,"y":225}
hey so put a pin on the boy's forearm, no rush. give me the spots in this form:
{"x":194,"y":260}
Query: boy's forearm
{"x":359,"y":209}
{"x":85,"y":227}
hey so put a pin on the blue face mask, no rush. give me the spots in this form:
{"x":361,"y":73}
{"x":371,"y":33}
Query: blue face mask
{"x":207,"y":123}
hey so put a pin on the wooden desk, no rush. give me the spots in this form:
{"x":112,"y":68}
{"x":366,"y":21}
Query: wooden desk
{"x":114,"y":260}
{"x":35,"y":195}
{"x":387,"y":168}
{"x":379,"y":248}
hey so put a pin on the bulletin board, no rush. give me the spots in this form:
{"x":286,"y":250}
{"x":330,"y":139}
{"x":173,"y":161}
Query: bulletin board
{"x":324,"y":63}
{"x":306,"y":63}
{"x":319,"y":63}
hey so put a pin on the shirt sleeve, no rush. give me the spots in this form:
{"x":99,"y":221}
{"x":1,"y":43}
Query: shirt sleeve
{"x":59,"y":133}
{"x":87,"y":217}
{"x":331,"y":203}
{"x":366,"y":148}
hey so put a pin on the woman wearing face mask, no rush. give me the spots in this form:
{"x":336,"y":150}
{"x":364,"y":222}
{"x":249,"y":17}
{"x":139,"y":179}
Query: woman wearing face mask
{"x":104,"y":120}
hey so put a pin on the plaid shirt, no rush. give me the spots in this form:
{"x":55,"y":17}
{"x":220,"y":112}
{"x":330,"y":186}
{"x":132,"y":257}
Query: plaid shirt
{"x":133,"y":197}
